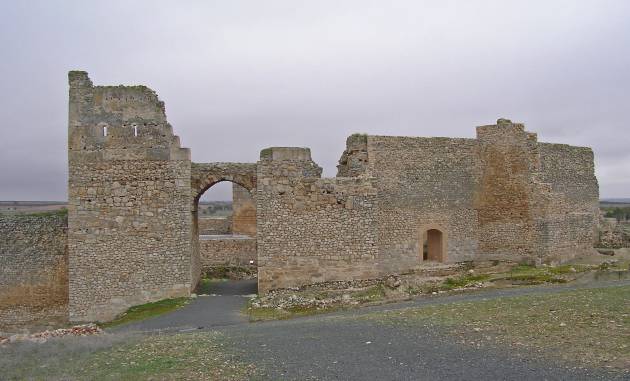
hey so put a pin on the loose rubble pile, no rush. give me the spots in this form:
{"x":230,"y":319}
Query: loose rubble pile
{"x":355,"y":292}
{"x":42,"y":337}
{"x":318,"y":296}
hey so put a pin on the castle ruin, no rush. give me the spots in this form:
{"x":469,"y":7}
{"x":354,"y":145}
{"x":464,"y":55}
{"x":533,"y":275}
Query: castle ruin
{"x":397,"y":203}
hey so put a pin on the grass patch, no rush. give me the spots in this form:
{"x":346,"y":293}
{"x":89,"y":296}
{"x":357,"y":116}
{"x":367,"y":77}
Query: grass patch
{"x":59,"y":212}
{"x":531,"y":275}
{"x":193,"y":356}
{"x":449,"y":284}
{"x":331,"y":301}
{"x":206,"y":285}
{"x":590,"y":327}
{"x":62,"y":212}
{"x":370,"y":294}
{"x":463,"y":281}
{"x":270,"y":313}
{"x":145,"y":311}
{"x":230,"y":272}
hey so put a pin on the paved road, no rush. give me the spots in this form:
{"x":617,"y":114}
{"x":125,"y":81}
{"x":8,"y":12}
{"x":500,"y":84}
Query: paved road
{"x":342,"y":347}
{"x":223,"y":307}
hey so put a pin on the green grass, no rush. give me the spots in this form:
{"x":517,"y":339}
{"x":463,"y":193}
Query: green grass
{"x":566,"y":269}
{"x":589,"y":327}
{"x":145,"y":311}
{"x":463,"y":281}
{"x":206,"y":285}
{"x":270,"y":313}
{"x":526,"y":274}
{"x":374,"y":293}
{"x":59,"y":212}
{"x":63,"y":212}
{"x":230,"y":272}
{"x":370,"y":294}
{"x":192,"y":356}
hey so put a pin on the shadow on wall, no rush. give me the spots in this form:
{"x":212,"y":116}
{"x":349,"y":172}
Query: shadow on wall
{"x":433,"y":245}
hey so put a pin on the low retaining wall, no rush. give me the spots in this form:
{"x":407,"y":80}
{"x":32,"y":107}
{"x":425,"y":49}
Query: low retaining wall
{"x":226,"y":251}
{"x":33,"y":270}
{"x":214,"y":225}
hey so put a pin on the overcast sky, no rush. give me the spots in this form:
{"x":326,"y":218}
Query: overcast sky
{"x":238,"y":76}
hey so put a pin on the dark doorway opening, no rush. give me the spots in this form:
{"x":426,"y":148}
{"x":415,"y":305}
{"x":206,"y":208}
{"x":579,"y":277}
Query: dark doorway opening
{"x":433,"y":246}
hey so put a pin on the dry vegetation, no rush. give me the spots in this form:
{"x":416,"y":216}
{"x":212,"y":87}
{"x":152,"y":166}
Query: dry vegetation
{"x":191,"y":356}
{"x":333,"y":296}
{"x":589,"y":327}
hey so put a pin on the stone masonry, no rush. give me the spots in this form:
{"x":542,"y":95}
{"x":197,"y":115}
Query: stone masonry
{"x":502,"y":196}
{"x":227,"y":251}
{"x":133,"y":233}
{"x":33,"y":270}
{"x":129,"y":211}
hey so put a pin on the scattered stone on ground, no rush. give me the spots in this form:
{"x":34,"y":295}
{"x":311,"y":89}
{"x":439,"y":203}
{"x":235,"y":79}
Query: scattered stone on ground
{"x":42,"y":337}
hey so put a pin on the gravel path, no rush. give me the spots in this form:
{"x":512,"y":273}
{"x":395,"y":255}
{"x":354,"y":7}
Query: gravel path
{"x":223,"y":307}
{"x":340,"y":346}
{"x":347,"y":349}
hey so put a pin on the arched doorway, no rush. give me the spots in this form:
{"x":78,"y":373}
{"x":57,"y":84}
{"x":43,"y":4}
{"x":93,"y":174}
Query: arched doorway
{"x":235,"y":248}
{"x":433,"y":245}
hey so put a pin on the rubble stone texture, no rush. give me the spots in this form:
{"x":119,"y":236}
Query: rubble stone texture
{"x":214,"y":225}
{"x":33,"y":270}
{"x":243,"y":211}
{"x":129,"y":211}
{"x":133,"y":234}
{"x":228,"y":251}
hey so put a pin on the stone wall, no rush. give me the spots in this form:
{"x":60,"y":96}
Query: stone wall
{"x":501,"y":196}
{"x":569,"y":226}
{"x":507,"y":193}
{"x":129,"y":208}
{"x":613,"y":234}
{"x":423,"y":183}
{"x":214,"y":225}
{"x":33,"y":270}
{"x":243,"y":211}
{"x":227,"y":251}
{"x":311,"y":229}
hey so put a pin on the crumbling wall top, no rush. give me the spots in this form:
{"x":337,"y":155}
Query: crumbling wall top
{"x":286,"y":153}
{"x":118,"y":123}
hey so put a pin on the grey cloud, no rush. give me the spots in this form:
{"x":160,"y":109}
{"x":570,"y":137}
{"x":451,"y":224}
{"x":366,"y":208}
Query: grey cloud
{"x":238,"y":76}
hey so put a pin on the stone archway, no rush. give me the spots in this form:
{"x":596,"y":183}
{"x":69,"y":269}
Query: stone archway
{"x":203,"y":177}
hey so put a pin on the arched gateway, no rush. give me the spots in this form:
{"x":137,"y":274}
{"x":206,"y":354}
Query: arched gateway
{"x":239,"y":246}
{"x":205,"y":175}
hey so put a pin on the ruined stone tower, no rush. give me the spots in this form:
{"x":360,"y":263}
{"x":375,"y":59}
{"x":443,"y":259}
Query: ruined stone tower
{"x":129,"y":217}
